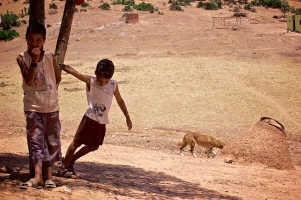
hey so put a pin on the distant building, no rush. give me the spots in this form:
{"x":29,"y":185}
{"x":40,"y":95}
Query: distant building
{"x":294,"y":23}
{"x":131,"y":18}
{"x":290,"y":20}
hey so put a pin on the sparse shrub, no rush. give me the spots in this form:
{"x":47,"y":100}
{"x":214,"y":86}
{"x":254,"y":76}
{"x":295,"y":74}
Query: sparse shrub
{"x":253,"y":10}
{"x":9,"y":20}
{"x":210,"y":6}
{"x":272,"y":3}
{"x":82,"y":10}
{"x":124,"y":2}
{"x":105,"y":6}
{"x":182,"y":4}
{"x":295,"y":10}
{"x":52,"y":6}
{"x":23,"y":21}
{"x":257,"y":2}
{"x":144,"y":7}
{"x":219,"y":3}
{"x":200,"y":4}
{"x":127,"y":8}
{"x":75,"y":10}
{"x":236,"y":9}
{"x":85,"y":4}
{"x":7,"y":35}
{"x":174,"y":5}
{"x":248,"y":6}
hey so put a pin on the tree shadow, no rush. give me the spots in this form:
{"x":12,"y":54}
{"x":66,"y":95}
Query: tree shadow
{"x":121,"y":180}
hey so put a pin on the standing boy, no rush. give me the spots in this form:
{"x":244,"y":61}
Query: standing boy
{"x":92,"y":129}
{"x":41,"y":78}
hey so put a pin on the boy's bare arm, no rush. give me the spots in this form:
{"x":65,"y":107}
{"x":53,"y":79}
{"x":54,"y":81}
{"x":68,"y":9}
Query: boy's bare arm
{"x":123,"y":107}
{"x":28,"y":74}
{"x":58,"y":76}
{"x":75,"y":73}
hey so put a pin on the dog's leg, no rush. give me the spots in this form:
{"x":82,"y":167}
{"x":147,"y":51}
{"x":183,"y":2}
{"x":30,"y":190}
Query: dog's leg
{"x":214,"y":153}
{"x":192,"y":148}
{"x":181,"y":149}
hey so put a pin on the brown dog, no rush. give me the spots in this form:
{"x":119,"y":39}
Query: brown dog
{"x":206,"y":141}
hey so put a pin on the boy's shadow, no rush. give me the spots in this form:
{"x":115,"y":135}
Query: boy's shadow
{"x":121,"y":180}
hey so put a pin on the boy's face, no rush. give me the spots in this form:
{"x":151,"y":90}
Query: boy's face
{"x":102,"y":81}
{"x":35,"y":40}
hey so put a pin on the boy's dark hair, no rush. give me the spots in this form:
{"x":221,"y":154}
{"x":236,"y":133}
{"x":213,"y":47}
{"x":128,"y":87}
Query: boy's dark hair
{"x":36,"y":28}
{"x":105,"y":68}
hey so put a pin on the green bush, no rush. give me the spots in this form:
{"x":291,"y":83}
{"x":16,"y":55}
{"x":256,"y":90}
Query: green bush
{"x":210,"y":6}
{"x":7,"y":35}
{"x":85,"y":4}
{"x":124,"y":2}
{"x":144,"y":7}
{"x":9,"y":20}
{"x":272,"y":3}
{"x":175,"y":5}
{"x":105,"y":6}
{"x":127,"y":8}
{"x":295,"y":10}
{"x":248,"y":6}
{"x":200,"y":4}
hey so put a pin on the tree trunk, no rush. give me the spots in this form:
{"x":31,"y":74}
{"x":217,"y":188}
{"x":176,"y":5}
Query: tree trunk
{"x":37,"y":11}
{"x":62,"y":40}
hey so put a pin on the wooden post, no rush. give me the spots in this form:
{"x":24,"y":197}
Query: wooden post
{"x":63,"y":38}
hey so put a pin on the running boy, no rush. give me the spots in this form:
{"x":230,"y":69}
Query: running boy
{"x":41,"y":78}
{"x":92,"y":129}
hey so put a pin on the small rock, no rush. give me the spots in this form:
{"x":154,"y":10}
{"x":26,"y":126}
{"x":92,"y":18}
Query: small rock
{"x":228,"y":160}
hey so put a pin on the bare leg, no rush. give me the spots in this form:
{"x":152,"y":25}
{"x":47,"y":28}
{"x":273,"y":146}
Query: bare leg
{"x":38,"y":173}
{"x":69,"y":154}
{"x":83,"y":151}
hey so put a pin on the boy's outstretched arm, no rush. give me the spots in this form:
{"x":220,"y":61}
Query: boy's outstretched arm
{"x":75,"y":73}
{"x":122,"y":106}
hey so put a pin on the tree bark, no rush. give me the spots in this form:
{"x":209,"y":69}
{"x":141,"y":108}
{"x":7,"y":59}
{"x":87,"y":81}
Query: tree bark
{"x":37,"y":11}
{"x":63,"y":38}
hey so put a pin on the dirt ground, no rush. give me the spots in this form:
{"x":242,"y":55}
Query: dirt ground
{"x":177,"y":72}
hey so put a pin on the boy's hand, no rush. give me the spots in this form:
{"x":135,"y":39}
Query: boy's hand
{"x":35,"y":55}
{"x":129,"y":123}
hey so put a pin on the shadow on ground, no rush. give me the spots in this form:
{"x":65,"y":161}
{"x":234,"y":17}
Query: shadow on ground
{"x":121,"y":180}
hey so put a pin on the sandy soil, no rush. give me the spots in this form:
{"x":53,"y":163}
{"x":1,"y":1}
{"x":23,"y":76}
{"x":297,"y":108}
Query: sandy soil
{"x":177,"y":73}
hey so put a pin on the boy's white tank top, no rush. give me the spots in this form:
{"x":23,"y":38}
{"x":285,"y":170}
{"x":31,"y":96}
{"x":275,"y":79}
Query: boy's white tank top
{"x":43,"y":95}
{"x":100,"y":100}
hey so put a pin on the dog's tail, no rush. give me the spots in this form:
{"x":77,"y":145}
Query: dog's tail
{"x":180,"y":143}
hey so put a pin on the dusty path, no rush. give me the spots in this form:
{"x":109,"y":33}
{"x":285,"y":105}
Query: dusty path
{"x":132,"y":173}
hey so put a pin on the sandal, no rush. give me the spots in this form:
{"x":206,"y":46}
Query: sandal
{"x":50,"y":184}
{"x":32,"y":183}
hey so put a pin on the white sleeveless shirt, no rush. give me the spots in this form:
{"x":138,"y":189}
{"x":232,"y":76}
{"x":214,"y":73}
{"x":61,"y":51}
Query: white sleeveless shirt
{"x":100,"y":100}
{"x":43,"y":95}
